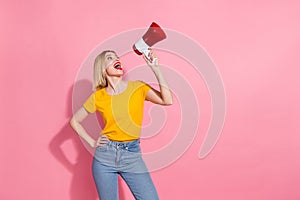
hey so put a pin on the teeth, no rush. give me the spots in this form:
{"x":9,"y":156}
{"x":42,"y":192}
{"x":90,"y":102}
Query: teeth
{"x":117,"y":65}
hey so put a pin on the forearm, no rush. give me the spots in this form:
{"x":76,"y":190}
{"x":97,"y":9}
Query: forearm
{"x":165,"y":92}
{"x":82,"y":133}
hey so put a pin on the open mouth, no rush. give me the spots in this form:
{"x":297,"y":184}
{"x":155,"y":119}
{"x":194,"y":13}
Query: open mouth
{"x":117,"y":65}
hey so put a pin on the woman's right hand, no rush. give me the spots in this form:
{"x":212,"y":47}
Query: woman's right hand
{"x":102,"y":140}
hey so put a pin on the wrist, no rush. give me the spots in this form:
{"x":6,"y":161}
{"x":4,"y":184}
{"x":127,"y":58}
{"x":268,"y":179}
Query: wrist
{"x":155,"y":68}
{"x":93,"y":144}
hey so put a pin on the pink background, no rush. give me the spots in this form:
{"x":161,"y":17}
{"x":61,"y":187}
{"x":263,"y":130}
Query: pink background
{"x":255,"y":45}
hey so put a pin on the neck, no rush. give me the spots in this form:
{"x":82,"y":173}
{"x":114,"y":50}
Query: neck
{"x":114,"y":83}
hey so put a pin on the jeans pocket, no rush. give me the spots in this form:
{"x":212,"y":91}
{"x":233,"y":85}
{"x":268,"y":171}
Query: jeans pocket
{"x":135,"y":148}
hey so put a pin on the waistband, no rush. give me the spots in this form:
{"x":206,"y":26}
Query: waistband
{"x":124,"y":144}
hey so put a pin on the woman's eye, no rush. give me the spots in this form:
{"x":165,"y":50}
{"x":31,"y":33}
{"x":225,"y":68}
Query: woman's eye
{"x":109,"y":58}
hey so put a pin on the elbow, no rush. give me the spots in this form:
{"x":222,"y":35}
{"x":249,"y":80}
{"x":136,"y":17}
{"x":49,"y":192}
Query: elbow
{"x":73,"y":122}
{"x":168,"y":102}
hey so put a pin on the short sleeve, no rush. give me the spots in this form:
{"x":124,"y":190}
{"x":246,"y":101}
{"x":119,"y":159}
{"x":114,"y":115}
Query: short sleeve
{"x":89,"y":104}
{"x":144,"y":87}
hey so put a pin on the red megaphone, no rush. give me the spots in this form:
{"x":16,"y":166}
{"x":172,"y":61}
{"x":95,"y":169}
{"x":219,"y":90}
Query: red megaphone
{"x":151,"y":37}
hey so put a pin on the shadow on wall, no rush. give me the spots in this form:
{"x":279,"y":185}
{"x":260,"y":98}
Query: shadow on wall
{"x":82,"y":186}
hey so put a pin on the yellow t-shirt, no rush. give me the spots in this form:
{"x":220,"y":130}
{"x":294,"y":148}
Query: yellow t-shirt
{"x":122,"y":113}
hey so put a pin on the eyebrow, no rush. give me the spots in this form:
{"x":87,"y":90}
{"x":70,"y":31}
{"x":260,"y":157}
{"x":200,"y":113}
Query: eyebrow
{"x":110,"y":54}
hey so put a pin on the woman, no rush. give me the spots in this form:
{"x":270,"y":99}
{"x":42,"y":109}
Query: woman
{"x":121,"y":105}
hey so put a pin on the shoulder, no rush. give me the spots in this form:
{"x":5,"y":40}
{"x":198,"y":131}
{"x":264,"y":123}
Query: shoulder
{"x":139,"y":83}
{"x":99,"y":93}
{"x":141,"y":86}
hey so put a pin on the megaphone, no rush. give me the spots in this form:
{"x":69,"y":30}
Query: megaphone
{"x":151,"y":37}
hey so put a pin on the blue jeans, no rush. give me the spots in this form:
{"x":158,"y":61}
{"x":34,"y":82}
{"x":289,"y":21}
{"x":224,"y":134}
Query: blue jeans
{"x":124,"y":159}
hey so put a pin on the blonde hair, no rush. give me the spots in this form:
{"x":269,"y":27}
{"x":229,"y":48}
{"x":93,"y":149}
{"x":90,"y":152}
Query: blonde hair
{"x":99,"y":71}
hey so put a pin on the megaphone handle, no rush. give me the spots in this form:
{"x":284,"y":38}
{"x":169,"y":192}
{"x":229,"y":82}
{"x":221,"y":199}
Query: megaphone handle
{"x":146,"y":53}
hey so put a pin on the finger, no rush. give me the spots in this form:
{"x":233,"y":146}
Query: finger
{"x":147,"y":60}
{"x":103,"y":140}
{"x":151,"y":54}
{"x":104,"y":136}
{"x":145,"y":57}
{"x":102,"y":143}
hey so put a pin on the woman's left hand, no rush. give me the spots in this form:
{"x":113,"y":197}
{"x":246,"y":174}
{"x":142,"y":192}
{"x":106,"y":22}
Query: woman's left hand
{"x":153,"y":62}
